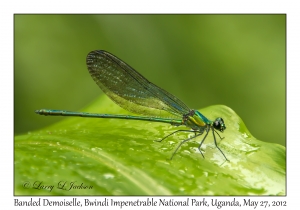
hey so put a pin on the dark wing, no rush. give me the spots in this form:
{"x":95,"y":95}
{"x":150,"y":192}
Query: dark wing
{"x":129,"y":89}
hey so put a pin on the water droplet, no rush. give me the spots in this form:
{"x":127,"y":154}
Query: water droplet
{"x":108,"y":176}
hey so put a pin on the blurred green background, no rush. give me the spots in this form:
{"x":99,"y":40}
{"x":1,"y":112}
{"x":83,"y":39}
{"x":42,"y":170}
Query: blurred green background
{"x":235,"y":60}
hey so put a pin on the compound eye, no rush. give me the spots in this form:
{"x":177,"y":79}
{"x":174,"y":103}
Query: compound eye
{"x":219,"y":124}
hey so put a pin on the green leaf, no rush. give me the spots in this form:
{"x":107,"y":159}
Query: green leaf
{"x":121,"y":157}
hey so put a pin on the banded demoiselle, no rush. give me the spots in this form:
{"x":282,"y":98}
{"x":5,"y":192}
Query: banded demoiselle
{"x":133,"y":92}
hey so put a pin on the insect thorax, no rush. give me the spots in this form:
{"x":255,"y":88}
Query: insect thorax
{"x":195,"y":120}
